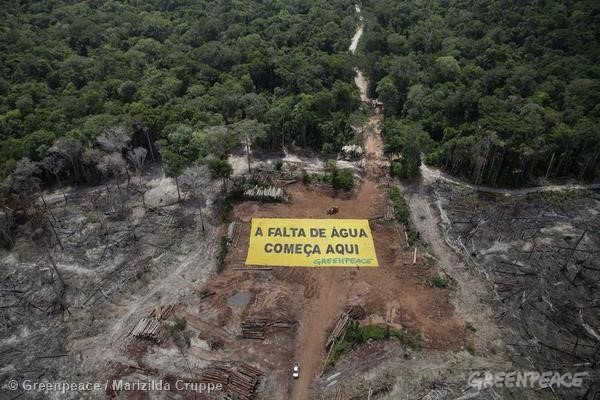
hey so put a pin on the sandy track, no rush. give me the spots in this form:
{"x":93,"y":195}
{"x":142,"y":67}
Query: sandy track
{"x":332,"y":283}
{"x":323,"y":309}
{"x":331,"y":297}
{"x":431,"y":175}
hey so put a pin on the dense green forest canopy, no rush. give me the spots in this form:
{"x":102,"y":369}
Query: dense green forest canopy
{"x":187,"y":72}
{"x":501,"y":92}
{"x":508,"y":91}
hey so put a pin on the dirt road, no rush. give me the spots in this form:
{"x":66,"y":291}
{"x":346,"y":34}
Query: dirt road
{"x":431,"y":174}
{"x":323,"y":309}
{"x":333,"y":284}
{"x":332,"y":287}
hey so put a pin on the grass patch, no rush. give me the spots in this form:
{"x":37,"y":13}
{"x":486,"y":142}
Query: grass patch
{"x":413,"y":235}
{"x":306,"y":178}
{"x":431,"y":260}
{"x":470,"y":348}
{"x":180,"y":336}
{"x":401,"y":210}
{"x":356,"y":334}
{"x":338,"y":178}
{"x":339,"y":348}
{"x":343,"y":179}
{"x":402,"y":214}
{"x":234,"y":195}
{"x":398,"y":169}
{"x":223,"y":249}
{"x":91,"y":218}
{"x":439,"y":282}
{"x":178,"y":326}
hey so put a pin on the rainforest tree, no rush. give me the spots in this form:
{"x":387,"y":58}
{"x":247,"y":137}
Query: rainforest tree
{"x":70,"y":71}
{"x":509,"y":91}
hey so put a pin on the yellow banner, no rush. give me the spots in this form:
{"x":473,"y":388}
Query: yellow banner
{"x":311,"y":243}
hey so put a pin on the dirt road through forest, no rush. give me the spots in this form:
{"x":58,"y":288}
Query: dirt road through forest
{"x":333,"y":284}
{"x":431,"y":174}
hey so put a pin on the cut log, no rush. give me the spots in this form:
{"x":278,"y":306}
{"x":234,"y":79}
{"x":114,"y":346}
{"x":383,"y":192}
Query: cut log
{"x":149,"y":329}
{"x":338,"y":330}
{"x":161,"y":312}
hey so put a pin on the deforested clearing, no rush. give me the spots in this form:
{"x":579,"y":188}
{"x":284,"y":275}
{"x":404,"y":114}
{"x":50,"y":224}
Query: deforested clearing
{"x":299,"y":200}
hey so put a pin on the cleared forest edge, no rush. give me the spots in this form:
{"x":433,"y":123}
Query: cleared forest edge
{"x":141,"y":281}
{"x":432,"y":174}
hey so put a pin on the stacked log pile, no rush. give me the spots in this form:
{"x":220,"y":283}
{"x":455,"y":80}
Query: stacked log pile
{"x":239,"y":384}
{"x":281,"y":323}
{"x":244,"y":381}
{"x":204,"y":293}
{"x":269,"y":193}
{"x":149,"y":329}
{"x":338,"y":330}
{"x":273,"y":178}
{"x":283,"y":179}
{"x":233,"y":233}
{"x":402,"y":238}
{"x":217,"y":375}
{"x":256,"y":328}
{"x":286,"y":181}
{"x":261,"y":177}
{"x":161,"y":312}
{"x":389,"y":213}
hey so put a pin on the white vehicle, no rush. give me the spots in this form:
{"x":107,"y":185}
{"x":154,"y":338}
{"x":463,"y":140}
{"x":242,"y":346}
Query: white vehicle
{"x":296,"y":371}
